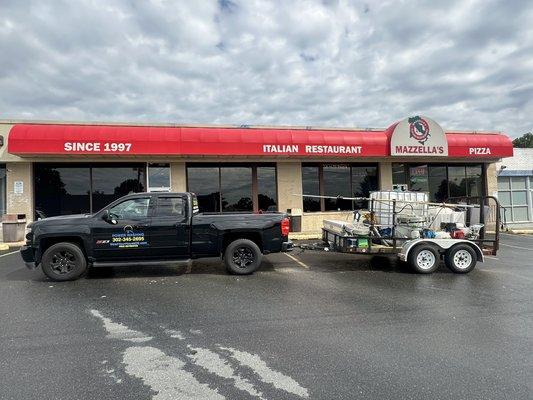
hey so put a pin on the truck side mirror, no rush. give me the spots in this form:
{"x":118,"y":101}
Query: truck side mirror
{"x":107,"y":217}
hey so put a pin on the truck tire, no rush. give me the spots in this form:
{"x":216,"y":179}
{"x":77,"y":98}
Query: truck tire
{"x":242,"y":257}
{"x":460,"y":258}
{"x":64,"y":261}
{"x":424,"y":259}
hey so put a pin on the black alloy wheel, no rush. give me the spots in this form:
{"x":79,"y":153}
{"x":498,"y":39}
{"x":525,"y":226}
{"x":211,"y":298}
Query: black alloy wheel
{"x":242,"y":257}
{"x":64,"y":261}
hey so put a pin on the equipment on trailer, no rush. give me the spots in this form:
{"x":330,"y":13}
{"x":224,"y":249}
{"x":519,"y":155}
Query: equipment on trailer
{"x":416,"y":230}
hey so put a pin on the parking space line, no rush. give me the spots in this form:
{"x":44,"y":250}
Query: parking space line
{"x":515,"y":247}
{"x":300,"y":263}
{"x":8,"y":254}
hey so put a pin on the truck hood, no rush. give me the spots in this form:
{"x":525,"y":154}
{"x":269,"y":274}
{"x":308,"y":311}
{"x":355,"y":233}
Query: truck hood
{"x":62,"y":220}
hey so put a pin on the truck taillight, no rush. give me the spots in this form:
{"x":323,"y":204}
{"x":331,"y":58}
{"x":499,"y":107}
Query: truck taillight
{"x":285,"y":227}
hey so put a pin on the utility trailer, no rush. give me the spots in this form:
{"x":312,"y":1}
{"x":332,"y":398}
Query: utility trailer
{"x":394,"y":232}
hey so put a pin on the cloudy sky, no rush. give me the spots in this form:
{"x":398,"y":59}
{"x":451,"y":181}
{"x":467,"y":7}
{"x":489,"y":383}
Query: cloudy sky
{"x":467,"y":64}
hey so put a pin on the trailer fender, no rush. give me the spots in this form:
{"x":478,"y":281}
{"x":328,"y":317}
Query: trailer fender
{"x":441,"y":244}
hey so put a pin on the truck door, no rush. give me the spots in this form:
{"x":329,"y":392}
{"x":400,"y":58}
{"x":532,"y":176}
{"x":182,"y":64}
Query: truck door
{"x":125,"y":234}
{"x":169,"y":231}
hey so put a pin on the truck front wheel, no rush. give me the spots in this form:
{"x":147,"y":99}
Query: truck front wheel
{"x":64,"y":262}
{"x":242,"y":257}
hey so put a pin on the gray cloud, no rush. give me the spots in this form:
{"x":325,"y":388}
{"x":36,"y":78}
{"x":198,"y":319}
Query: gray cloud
{"x":469,"y":64}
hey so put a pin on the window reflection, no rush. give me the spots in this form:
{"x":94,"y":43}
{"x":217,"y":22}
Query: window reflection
{"x":337,"y":183}
{"x":349,"y":180}
{"x":204,"y":182}
{"x":311,"y":185}
{"x":236,"y":188}
{"x":267,"y":193}
{"x":231,"y":188}
{"x":111,"y":183}
{"x":61,"y":190}
{"x":66,"y":189}
{"x":159,"y":176}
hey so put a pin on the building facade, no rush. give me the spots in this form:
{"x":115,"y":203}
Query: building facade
{"x":515,"y":188}
{"x":50,"y":169}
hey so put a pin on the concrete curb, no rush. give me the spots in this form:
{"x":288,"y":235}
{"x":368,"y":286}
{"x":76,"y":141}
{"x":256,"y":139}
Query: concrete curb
{"x":520,"y":231}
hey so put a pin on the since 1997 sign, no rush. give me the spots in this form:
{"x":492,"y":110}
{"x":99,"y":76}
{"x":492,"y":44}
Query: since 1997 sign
{"x":418,"y":136}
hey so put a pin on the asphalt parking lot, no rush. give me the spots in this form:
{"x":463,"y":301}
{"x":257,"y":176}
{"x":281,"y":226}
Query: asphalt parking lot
{"x":307,"y":325}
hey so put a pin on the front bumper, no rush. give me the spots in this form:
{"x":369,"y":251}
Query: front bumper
{"x":28,"y":255}
{"x":287,"y":246}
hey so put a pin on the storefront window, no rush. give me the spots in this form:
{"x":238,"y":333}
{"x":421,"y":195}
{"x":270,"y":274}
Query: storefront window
{"x":158,"y":177}
{"x":337,"y":183}
{"x":441,"y":181}
{"x":311,"y":185}
{"x":474,"y":178}
{"x":398,"y":174}
{"x":205,"y":183}
{"x":236,"y":188}
{"x":61,"y":190}
{"x":437,"y":183}
{"x":111,"y":183}
{"x":80,"y":188}
{"x":513,"y":196}
{"x":267,"y":194}
{"x":348,"y":180}
{"x":233,"y":187}
{"x":418,"y":178}
{"x":364,"y":181}
{"x":457,"y":180}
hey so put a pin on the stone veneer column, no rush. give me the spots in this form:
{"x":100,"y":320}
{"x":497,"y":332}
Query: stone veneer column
{"x":385,"y":176}
{"x":491,"y":182}
{"x":178,"y":177}
{"x":289,"y":176}
{"x":19,"y":203}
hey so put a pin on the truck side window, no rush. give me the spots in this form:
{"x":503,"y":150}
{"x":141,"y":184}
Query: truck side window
{"x":131,"y":209}
{"x":170,"y":207}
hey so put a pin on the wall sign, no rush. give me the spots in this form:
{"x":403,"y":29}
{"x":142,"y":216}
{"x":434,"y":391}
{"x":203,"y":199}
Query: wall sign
{"x":418,"y":136}
{"x":18,"y":187}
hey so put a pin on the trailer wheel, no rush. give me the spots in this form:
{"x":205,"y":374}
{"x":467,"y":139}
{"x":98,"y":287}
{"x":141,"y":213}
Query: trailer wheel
{"x":64,"y":261}
{"x":424,"y":259}
{"x":242,"y":257}
{"x":460,"y":258}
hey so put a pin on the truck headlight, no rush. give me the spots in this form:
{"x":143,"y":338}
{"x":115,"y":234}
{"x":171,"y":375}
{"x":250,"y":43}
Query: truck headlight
{"x":28,"y":233}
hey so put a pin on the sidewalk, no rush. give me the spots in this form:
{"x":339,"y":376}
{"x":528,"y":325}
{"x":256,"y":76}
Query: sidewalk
{"x":11,"y":245}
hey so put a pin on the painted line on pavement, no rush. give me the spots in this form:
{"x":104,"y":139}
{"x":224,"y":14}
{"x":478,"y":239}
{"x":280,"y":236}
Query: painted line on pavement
{"x":300,"y":263}
{"x":515,"y":247}
{"x":8,"y":254}
{"x":492,"y":258}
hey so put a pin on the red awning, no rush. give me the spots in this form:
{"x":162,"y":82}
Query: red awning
{"x":489,"y":145}
{"x":34,"y":139}
{"x":64,"y":139}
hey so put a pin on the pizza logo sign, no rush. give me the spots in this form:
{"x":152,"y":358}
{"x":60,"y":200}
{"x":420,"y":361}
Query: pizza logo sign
{"x":419,"y":129}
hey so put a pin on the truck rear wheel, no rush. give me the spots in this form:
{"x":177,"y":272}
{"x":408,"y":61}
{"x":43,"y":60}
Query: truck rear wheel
{"x":460,"y":259}
{"x":64,"y":262}
{"x":424,"y":259}
{"x":242,"y":257}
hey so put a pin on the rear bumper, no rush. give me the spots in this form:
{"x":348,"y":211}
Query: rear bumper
{"x":28,"y":255}
{"x":286,"y":246}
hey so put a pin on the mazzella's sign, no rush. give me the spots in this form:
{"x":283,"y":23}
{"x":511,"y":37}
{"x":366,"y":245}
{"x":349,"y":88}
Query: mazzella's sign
{"x":418,"y":136}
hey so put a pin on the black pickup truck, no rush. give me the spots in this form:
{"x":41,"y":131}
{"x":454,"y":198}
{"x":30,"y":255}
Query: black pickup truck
{"x":152,"y":229}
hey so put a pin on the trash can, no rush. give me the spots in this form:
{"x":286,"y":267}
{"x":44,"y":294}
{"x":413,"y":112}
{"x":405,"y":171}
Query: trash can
{"x":13,"y":227}
{"x":295,"y":215}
